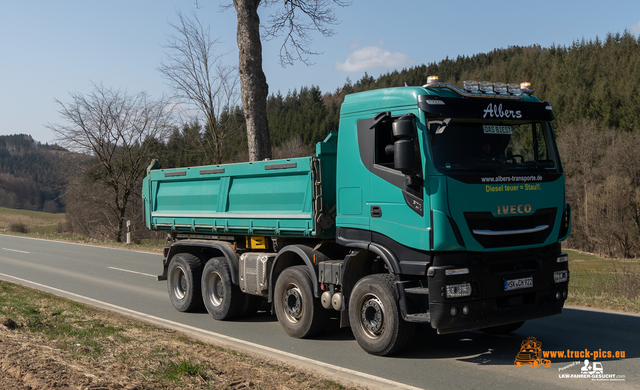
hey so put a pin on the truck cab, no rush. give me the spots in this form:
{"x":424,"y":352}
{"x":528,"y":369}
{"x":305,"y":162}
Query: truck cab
{"x":461,"y":192}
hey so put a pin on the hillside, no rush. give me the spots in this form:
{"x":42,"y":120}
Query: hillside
{"x":31,"y":174}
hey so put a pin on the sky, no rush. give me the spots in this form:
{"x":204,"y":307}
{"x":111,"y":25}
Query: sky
{"x":50,"y":49}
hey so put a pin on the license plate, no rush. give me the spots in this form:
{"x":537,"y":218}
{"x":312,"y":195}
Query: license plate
{"x":497,"y":129}
{"x":516,"y":284}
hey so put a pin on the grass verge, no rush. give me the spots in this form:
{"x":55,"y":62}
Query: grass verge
{"x":611,"y":284}
{"x":77,"y":346}
{"x":38,"y":224}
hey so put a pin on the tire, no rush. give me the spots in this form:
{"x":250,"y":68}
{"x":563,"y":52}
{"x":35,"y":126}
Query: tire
{"x":183,"y":282}
{"x":375,"y":317}
{"x":298,"y":311}
{"x":503,"y":329}
{"x":222,"y":299}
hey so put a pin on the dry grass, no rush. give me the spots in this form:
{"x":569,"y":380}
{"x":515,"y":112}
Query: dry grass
{"x":29,"y":218}
{"x":51,"y":342}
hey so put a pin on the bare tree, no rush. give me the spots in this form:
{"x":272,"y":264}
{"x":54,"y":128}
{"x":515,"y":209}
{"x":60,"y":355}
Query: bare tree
{"x":293,"y":147}
{"x":582,"y":146}
{"x":195,"y":72}
{"x":118,"y":130}
{"x":295,"y":20}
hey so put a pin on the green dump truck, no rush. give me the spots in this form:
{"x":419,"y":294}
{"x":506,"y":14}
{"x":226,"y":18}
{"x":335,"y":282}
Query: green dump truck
{"x":433,"y":204}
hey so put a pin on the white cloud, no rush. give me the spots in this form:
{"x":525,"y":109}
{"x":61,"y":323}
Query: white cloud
{"x":635,"y":29}
{"x":373,"y":57}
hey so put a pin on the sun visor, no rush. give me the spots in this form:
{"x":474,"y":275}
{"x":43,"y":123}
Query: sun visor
{"x":485,"y":109}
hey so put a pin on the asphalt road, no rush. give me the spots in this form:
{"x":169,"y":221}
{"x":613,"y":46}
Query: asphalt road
{"x":125,"y":281}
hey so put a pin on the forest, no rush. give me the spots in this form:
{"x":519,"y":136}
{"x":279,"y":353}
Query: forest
{"x":592,"y":86}
{"x":31,"y":174}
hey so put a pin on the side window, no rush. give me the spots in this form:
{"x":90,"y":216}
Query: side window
{"x":394,"y":136}
{"x":541,"y":143}
{"x":384,"y":138}
{"x":389,"y":147}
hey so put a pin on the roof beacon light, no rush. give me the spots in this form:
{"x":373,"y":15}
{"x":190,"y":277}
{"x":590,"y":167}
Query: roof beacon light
{"x":486,"y":86}
{"x":433,"y":80}
{"x":514,"y":89}
{"x":470,"y":85}
{"x":526,"y":87}
{"x":500,"y":87}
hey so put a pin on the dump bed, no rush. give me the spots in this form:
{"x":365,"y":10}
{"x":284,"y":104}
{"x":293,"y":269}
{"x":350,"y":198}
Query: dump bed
{"x":292,"y":197}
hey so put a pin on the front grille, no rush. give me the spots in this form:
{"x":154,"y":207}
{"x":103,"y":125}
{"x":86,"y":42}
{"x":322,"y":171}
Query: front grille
{"x":486,"y":221}
{"x":507,"y":263}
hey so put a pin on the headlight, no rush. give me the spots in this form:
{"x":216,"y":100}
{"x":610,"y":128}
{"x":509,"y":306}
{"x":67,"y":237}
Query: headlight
{"x":500,"y":87}
{"x":470,"y":85}
{"x":486,"y":86}
{"x":561,"y":276}
{"x":514,"y":89}
{"x":458,"y":290}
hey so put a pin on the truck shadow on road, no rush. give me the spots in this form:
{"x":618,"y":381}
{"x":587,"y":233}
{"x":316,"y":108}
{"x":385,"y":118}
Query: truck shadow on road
{"x":574,"y":330}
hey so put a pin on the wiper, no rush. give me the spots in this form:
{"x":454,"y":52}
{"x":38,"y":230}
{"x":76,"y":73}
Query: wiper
{"x":545,"y":164}
{"x":531,"y":166}
{"x":468,"y":169}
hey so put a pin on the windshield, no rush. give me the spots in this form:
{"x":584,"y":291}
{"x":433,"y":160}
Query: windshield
{"x":461,"y":148}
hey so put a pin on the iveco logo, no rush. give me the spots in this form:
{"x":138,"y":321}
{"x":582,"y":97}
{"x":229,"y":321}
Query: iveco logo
{"x":513,"y":209}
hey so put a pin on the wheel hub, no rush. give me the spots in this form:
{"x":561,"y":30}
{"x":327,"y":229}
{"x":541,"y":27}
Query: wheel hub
{"x":215,"y":289}
{"x":183,"y":283}
{"x":293,"y":303}
{"x":179,"y":283}
{"x":372,"y":316}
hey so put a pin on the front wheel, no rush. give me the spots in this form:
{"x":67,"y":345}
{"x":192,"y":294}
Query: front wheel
{"x":375,"y":316}
{"x":183,"y":282}
{"x":298,"y":311}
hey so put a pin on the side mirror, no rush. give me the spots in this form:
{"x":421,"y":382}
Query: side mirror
{"x":404,"y":155}
{"x":403,"y":148}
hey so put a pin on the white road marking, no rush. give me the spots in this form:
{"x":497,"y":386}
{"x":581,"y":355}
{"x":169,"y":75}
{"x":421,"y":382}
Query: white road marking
{"x":79,"y":244}
{"x":14,"y":250}
{"x":133,"y":272}
{"x":352,"y":375}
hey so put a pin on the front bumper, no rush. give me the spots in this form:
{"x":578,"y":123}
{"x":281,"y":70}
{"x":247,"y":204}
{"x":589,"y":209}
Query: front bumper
{"x":489,"y":303}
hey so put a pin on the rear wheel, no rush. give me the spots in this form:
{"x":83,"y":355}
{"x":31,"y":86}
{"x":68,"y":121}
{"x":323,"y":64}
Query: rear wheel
{"x":222,"y":298}
{"x":298,"y":311}
{"x":375,"y":316}
{"x":503,"y":329}
{"x":183,"y":282}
